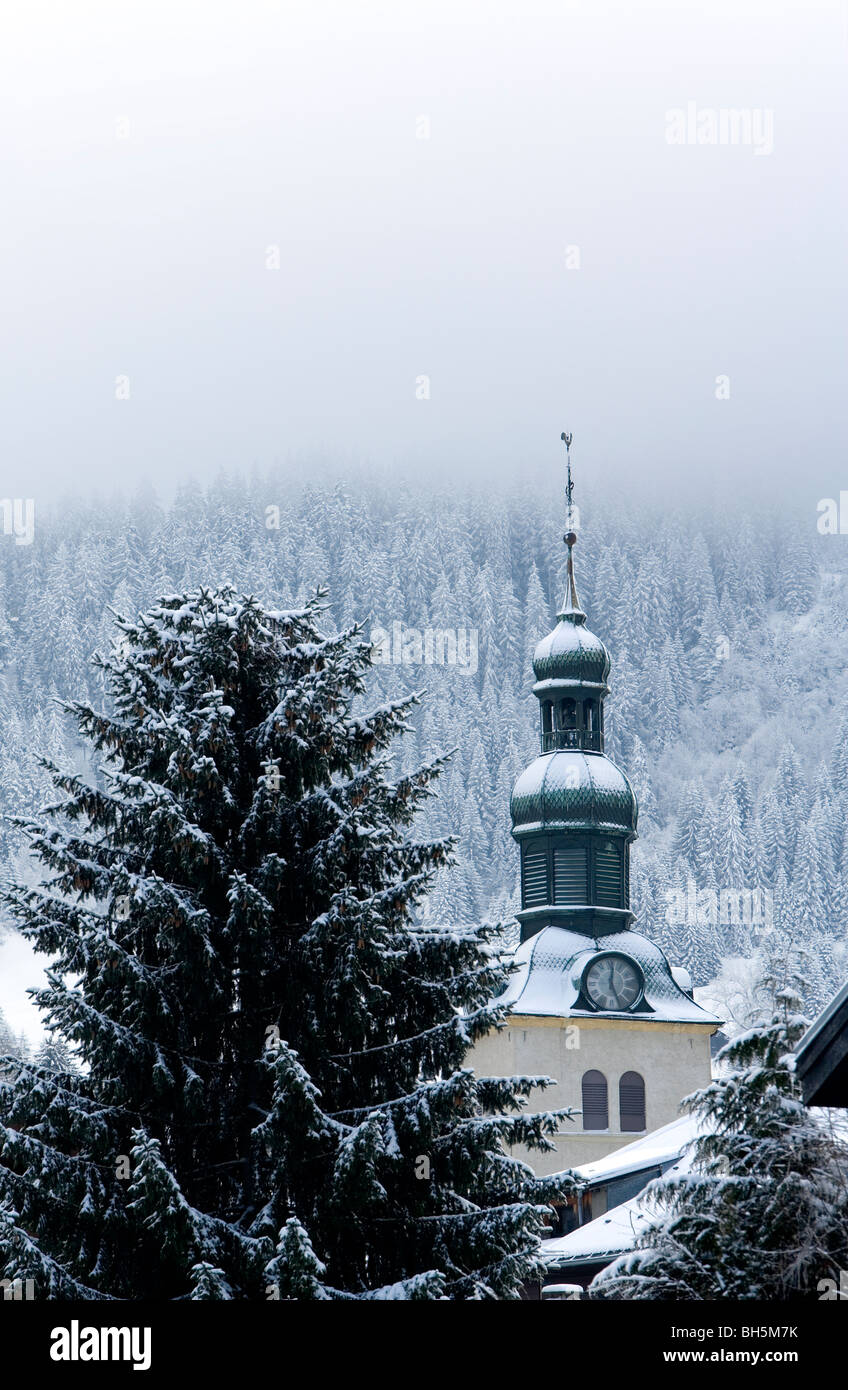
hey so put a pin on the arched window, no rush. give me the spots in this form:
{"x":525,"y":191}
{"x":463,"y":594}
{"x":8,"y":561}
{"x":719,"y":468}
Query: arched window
{"x":590,"y":711}
{"x":595,"y":1102}
{"x":567,"y":714}
{"x":547,"y":716}
{"x":631,"y":1102}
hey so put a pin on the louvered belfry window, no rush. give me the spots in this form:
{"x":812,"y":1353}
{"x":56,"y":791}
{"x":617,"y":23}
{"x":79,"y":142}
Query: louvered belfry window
{"x":595,"y":1104}
{"x":608,"y":874}
{"x":570,"y":865}
{"x":534,"y":878}
{"x":631,"y":1102}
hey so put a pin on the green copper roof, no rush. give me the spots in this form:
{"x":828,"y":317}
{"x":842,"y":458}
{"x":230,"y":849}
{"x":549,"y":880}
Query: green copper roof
{"x":571,"y":790}
{"x":571,"y":653}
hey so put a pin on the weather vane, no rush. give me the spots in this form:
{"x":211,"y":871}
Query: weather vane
{"x":571,"y":536}
{"x":571,"y":603}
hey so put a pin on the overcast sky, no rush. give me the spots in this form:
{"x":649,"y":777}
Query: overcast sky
{"x":235,"y":234}
{"x":419,"y":171}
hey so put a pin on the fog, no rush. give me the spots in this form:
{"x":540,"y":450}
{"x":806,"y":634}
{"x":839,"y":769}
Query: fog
{"x":423,"y":236}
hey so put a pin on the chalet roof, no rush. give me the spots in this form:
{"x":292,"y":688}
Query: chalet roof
{"x":654,"y":1150}
{"x":821,"y":1057}
{"x":615,"y":1233}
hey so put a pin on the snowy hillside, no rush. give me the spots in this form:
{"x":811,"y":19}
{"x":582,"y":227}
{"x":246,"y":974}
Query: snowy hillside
{"x":729,"y":704}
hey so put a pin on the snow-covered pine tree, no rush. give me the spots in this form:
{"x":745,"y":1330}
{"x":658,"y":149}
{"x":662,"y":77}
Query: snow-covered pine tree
{"x":742,"y":792}
{"x":839,"y":757}
{"x":730,"y":847}
{"x":774,"y":838}
{"x":267,"y":1034}
{"x":8,"y":1049}
{"x":638,"y":770}
{"x":537,"y":611}
{"x":54,"y":1055}
{"x":764,"y":1213}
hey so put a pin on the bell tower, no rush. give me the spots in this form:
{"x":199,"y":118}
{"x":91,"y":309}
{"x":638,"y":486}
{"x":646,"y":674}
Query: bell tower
{"x":573,"y":812}
{"x":591,"y":1002}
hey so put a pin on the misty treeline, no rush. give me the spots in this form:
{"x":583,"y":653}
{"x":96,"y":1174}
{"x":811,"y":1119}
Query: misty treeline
{"x":52,"y":1054}
{"x":729,"y":704}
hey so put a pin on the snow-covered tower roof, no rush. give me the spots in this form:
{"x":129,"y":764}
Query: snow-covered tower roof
{"x":574,"y":812}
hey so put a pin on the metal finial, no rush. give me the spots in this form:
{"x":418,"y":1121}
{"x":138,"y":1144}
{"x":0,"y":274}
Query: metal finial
{"x":571,"y":603}
{"x":571,"y":538}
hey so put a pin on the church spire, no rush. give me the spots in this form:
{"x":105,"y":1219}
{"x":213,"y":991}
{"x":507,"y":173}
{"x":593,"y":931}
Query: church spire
{"x":571,"y":609}
{"x":573,"y":812}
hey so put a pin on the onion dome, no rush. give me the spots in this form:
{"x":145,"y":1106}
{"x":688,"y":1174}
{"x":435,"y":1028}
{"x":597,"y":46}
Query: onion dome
{"x":568,"y":790}
{"x":572,"y":654}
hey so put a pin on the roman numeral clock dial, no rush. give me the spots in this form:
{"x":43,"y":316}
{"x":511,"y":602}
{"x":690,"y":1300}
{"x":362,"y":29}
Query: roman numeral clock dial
{"x":612,"y":982}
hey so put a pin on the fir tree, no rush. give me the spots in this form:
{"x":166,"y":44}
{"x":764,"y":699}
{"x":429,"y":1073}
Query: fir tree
{"x":8,"y":1050}
{"x":839,"y":757}
{"x":295,"y":1272}
{"x":638,"y":770}
{"x":699,"y":590}
{"x":54,"y":1055}
{"x":812,"y":880}
{"x":764,"y":1214}
{"x":266,"y":1033}
{"x":742,"y":793}
{"x":537,"y":612}
{"x":774,"y":839}
{"x":731,"y":842}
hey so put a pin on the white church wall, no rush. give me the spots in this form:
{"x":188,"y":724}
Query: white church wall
{"x":672,"y":1058}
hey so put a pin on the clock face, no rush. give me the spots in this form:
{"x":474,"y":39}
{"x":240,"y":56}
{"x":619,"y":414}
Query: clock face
{"x":613,"y":982}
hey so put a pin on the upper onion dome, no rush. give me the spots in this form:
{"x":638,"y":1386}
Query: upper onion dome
{"x":570,"y":790}
{"x":571,"y":653}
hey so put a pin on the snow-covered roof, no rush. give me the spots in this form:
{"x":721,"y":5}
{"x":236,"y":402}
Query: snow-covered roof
{"x":652,"y":1150}
{"x":550,"y":968}
{"x":821,"y":1056}
{"x":615,"y":1233}
{"x":617,"y":1230}
{"x":818,"y":1024}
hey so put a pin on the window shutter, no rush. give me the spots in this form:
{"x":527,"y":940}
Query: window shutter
{"x":631,"y":1102}
{"x":570,"y":874}
{"x":595,"y":1104}
{"x":608,"y":875}
{"x":534,"y":867}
